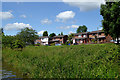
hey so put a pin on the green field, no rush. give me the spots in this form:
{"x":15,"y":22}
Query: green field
{"x":75,"y":61}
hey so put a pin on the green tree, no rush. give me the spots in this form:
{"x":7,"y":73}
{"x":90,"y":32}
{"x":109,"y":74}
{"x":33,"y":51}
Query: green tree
{"x":61,"y":33}
{"x":7,"y":40}
{"x":28,"y":36}
{"x":111,"y":19}
{"x":81,"y":29}
{"x":70,"y":36}
{"x":45,"y":33}
{"x":52,"y":35}
{"x":17,"y":44}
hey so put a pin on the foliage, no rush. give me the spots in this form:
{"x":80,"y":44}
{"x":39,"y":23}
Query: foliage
{"x":17,"y":44}
{"x":93,"y":40}
{"x":111,"y":18}
{"x":81,"y":29}
{"x":52,"y":35}
{"x":7,"y":40}
{"x":45,"y":33}
{"x":52,"y":44}
{"x":75,"y":61}
{"x":61,"y":33}
{"x":37,"y":44}
{"x":27,"y":35}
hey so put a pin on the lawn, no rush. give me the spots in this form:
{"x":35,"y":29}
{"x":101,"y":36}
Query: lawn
{"x":74,"y":61}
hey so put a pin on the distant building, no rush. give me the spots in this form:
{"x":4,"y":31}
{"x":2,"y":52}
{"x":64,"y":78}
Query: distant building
{"x":45,"y":40}
{"x":89,"y":37}
{"x":81,"y":37}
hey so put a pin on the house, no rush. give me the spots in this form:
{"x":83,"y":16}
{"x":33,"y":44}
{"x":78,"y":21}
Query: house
{"x":61,"y":39}
{"x":45,"y":40}
{"x":81,"y":37}
{"x":90,"y":37}
{"x":99,"y":36}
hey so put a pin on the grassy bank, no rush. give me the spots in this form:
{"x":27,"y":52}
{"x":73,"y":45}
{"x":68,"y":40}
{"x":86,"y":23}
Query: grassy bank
{"x":78,"y":61}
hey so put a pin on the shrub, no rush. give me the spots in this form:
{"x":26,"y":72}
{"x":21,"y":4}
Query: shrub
{"x":17,"y":44}
{"x":52,"y":44}
{"x":37,"y":44}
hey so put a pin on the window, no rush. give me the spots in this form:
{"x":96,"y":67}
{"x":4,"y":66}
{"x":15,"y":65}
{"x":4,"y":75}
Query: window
{"x":99,"y":33}
{"x":93,"y":34}
{"x":79,"y":36}
{"x":84,"y":35}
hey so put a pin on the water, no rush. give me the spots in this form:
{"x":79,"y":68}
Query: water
{"x":9,"y":72}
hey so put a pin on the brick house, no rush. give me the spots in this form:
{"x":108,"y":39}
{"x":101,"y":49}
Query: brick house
{"x":45,"y":40}
{"x":99,"y":36}
{"x":81,"y":37}
{"x":61,"y":39}
{"x":89,"y":37}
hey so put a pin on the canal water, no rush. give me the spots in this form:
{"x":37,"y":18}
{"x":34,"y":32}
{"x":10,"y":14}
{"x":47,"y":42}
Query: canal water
{"x":9,"y":72}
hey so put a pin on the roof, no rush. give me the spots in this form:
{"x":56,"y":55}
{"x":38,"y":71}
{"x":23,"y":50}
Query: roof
{"x":99,"y":31}
{"x":54,"y":41}
{"x":44,"y":37}
{"x":81,"y":33}
{"x":60,"y":36}
{"x":80,"y":38}
{"x":98,"y":37}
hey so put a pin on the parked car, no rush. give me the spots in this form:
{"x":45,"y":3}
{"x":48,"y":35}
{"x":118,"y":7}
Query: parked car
{"x":57,"y":44}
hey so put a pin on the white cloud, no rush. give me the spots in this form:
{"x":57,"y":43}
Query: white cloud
{"x":23,"y":16}
{"x":6,"y":15}
{"x":85,"y":5}
{"x":65,"y":16}
{"x":71,"y":32}
{"x":68,"y":27}
{"x":17,"y":26}
{"x":40,"y":32}
{"x":46,"y":21}
{"x":101,"y":28}
{"x":74,"y":26}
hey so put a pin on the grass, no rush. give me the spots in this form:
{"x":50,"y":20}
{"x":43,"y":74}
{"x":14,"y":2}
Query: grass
{"x":77,"y":61}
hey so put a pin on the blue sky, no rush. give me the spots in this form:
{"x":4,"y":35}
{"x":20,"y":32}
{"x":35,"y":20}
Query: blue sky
{"x":54,"y":17}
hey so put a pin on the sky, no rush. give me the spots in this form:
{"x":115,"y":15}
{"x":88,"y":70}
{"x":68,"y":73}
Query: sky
{"x":54,"y":17}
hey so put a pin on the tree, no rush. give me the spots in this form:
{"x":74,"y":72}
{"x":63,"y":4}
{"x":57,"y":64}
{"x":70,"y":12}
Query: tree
{"x":82,"y":29}
{"x":7,"y":40}
{"x":17,"y":44}
{"x":61,"y":33}
{"x":45,"y":33}
{"x":52,"y":35}
{"x":28,"y":36}
{"x":111,"y":19}
{"x":70,"y":36}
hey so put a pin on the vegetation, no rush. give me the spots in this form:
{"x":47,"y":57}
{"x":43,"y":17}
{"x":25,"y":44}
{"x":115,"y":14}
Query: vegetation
{"x":18,"y":44}
{"x":28,"y":36}
{"x":82,"y":29}
{"x":77,"y":61}
{"x":45,"y":33}
{"x":61,"y":33}
{"x":111,"y":19}
{"x":52,"y":35}
{"x":25,"y":37}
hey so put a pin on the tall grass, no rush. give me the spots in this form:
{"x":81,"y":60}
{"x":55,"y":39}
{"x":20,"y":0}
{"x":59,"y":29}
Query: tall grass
{"x":77,"y":61}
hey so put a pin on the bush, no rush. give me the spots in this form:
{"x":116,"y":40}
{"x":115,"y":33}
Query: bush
{"x":37,"y":44}
{"x":17,"y":44}
{"x":52,"y":44}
